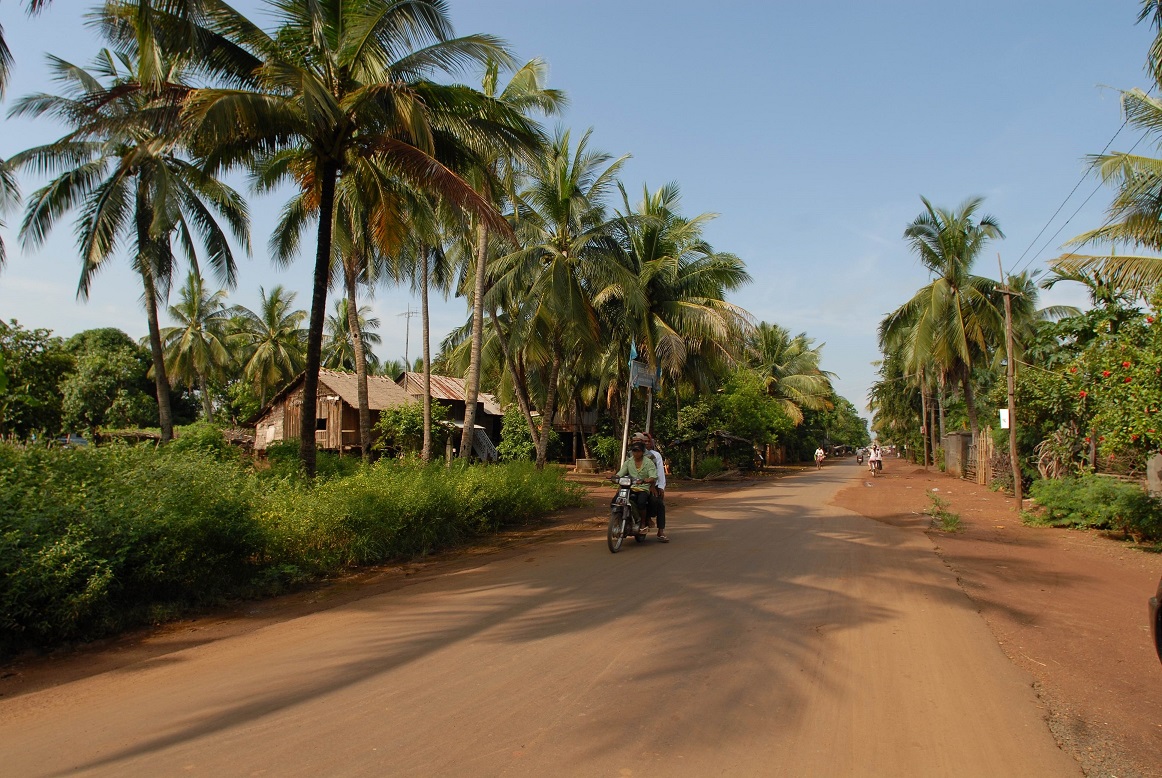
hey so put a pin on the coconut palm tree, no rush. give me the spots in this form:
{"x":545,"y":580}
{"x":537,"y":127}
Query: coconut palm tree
{"x":789,"y":366}
{"x":195,"y":348}
{"x":568,"y":255}
{"x":272,"y":341}
{"x":122,"y":167}
{"x":339,"y":347}
{"x":525,"y":92}
{"x":342,"y":81}
{"x":953,"y":322}
{"x":677,"y":305}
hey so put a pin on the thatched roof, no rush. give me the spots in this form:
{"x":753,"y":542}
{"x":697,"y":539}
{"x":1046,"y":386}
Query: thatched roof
{"x":382,"y":392}
{"x":446,"y":387}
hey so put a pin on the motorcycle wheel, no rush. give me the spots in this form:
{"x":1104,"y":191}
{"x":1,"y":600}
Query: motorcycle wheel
{"x":616,"y":535}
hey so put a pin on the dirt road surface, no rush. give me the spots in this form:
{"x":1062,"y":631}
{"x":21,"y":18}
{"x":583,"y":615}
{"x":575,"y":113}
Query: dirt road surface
{"x":776,"y":635}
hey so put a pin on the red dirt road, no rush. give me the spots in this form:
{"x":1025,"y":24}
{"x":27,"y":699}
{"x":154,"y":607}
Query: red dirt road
{"x":1068,"y":607}
{"x":776,"y":635}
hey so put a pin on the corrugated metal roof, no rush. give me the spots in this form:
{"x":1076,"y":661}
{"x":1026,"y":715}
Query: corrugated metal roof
{"x":448,"y":388}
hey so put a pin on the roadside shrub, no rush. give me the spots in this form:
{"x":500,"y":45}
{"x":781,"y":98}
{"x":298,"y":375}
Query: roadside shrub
{"x":709,"y":466}
{"x":204,"y":438}
{"x":1099,"y":502}
{"x":94,"y":539}
{"x":606,"y":448}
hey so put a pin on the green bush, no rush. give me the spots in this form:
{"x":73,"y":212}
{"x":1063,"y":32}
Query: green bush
{"x":709,"y":466}
{"x":95,"y":539}
{"x":1099,"y":502}
{"x":606,"y":448}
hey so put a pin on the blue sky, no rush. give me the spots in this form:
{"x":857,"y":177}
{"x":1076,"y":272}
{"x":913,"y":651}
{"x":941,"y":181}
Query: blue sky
{"x":811,"y":128}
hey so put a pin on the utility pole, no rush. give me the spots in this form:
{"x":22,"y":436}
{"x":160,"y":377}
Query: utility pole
{"x":407,"y":334}
{"x":1011,"y":370}
{"x":924,"y":431}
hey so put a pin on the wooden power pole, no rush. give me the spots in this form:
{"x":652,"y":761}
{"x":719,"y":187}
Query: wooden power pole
{"x":1011,"y":371}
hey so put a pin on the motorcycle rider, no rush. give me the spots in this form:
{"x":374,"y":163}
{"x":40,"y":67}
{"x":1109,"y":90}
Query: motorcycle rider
{"x":658,"y":492}
{"x":641,"y":468}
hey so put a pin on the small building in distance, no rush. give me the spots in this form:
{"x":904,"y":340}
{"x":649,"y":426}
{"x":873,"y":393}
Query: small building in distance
{"x":449,"y":392}
{"x":337,"y":411}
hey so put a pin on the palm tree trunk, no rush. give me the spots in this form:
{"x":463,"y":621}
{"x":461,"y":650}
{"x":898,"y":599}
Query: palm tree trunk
{"x":518,"y":386}
{"x":472,"y":382}
{"x":328,"y":174}
{"x":580,"y":429}
{"x":207,"y":405}
{"x":550,"y":408}
{"x":349,"y":279}
{"x":426,"y":453}
{"x":160,"y":379}
{"x":969,"y":401}
{"x":924,"y":417}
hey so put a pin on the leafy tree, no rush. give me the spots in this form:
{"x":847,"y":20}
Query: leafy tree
{"x":109,"y":385}
{"x":35,"y":363}
{"x":748,"y":411}
{"x":790,"y":370}
{"x":271,"y":343}
{"x":401,"y":428}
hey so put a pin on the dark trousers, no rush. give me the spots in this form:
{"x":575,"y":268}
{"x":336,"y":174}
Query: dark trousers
{"x":642,"y":501}
{"x":658,"y":502}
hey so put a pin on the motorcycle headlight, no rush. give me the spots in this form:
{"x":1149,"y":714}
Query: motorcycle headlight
{"x":625,"y":481}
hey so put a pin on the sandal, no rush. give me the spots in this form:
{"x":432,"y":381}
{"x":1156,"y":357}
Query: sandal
{"x":662,"y":538}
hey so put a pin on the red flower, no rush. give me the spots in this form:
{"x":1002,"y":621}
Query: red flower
{"x":1133,"y":437}
{"x":1149,"y":319}
{"x":1087,"y":440}
{"x":1105,"y":374}
{"x":1150,"y":431}
{"x":1101,"y":437}
{"x":1081,"y":393}
{"x":1073,"y":369}
{"x":1128,"y":379}
{"x":1125,"y":364}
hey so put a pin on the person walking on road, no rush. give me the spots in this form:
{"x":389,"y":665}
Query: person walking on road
{"x":658,"y":492}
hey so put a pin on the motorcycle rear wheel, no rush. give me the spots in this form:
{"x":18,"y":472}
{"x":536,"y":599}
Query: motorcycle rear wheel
{"x":616,"y":534}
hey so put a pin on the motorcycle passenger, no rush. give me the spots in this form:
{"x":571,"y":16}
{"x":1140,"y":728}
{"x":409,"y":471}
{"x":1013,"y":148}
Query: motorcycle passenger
{"x":658,"y":492}
{"x":641,"y":468}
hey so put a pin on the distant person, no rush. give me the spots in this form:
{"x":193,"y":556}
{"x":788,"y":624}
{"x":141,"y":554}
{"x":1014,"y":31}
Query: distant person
{"x":819,"y":458}
{"x":875,"y":458}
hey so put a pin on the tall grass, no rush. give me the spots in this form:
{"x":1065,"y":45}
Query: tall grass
{"x":96,"y":539}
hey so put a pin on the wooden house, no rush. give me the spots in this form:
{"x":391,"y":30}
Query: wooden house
{"x":449,"y":392}
{"x":337,"y":410}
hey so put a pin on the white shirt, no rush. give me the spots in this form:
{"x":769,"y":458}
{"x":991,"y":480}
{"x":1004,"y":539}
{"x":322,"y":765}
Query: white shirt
{"x":657,"y":457}
{"x":875,"y":454}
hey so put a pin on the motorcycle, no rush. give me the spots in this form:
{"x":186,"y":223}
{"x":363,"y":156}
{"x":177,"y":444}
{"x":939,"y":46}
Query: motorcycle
{"x":624,"y":516}
{"x":859,"y":459}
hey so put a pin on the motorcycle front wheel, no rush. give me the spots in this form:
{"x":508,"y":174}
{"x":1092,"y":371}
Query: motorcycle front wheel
{"x":616,"y":534}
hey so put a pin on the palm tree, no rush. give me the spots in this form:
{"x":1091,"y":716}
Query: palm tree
{"x":122,"y":166}
{"x":526,"y":93}
{"x":339,"y":82}
{"x":339,"y":347}
{"x":954,"y":321}
{"x":790,"y":369}
{"x":677,"y":306}
{"x":195,"y":349}
{"x":568,"y":256}
{"x":272,"y":341}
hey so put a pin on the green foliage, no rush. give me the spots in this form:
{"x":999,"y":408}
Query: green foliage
{"x":400,"y":429}
{"x":605,"y":448}
{"x":109,"y":385}
{"x":35,"y":363}
{"x":516,"y":444}
{"x":1099,"y":502}
{"x":748,"y":411}
{"x":708,"y":466}
{"x":98,"y":538}
{"x":942,"y":518}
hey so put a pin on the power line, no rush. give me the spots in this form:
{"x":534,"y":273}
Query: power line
{"x":1068,"y":197}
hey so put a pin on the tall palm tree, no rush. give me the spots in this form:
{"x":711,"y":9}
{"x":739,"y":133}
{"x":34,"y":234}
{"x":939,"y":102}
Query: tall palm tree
{"x":195,"y":349}
{"x":568,"y":255}
{"x":677,"y":305}
{"x":122,"y":166}
{"x":954,"y":321}
{"x":339,"y":347}
{"x":272,"y":340}
{"x":525,"y":92}
{"x":789,"y":366}
{"x":342,"y":81}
